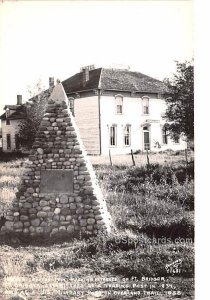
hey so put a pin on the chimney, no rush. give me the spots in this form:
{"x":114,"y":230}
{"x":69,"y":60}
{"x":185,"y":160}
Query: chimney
{"x":85,"y":74}
{"x":19,"y":99}
{"x":51,"y":81}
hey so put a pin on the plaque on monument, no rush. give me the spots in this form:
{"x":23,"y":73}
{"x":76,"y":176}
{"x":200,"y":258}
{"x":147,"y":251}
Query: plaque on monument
{"x":56,"y":181}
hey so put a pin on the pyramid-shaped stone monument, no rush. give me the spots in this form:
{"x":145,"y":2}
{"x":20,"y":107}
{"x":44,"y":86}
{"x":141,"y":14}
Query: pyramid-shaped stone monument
{"x":59,"y":192}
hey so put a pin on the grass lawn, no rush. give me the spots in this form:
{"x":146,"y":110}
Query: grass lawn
{"x":167,"y":157}
{"x":149,"y":255}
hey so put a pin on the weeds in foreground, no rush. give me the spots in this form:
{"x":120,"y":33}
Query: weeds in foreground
{"x":118,"y":254}
{"x":160,"y":182}
{"x":149,"y":213}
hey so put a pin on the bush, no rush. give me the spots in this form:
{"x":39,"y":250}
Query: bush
{"x":149,"y":214}
{"x":5,"y":157}
{"x":120,"y":254}
{"x":125,"y":179}
{"x":143,"y":262}
{"x":174,"y":192}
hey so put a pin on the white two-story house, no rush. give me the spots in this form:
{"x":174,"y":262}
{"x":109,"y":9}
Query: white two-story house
{"x":120,"y":110}
{"x":116,"y":110}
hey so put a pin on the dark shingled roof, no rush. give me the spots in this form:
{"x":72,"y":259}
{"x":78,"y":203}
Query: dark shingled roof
{"x":13,"y":107}
{"x":130,"y":81}
{"x":75,"y":83}
{"x":106,"y":79}
{"x":19,"y":113}
{"x":3,"y":116}
{"x":114,"y":79}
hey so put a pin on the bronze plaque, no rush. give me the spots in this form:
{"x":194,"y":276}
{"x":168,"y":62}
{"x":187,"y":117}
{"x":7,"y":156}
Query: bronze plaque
{"x":56,"y":181}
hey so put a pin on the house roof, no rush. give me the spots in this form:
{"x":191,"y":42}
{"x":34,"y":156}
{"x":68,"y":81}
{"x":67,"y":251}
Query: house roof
{"x":19,"y":113}
{"x":114,"y":79}
{"x":13,"y":107}
{"x":101,"y":78}
{"x":75,"y":83}
{"x":130,"y":81}
{"x":3,"y":116}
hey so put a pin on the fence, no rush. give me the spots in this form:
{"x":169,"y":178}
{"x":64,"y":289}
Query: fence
{"x":142,"y":159}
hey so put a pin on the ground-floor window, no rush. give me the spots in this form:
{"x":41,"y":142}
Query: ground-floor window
{"x":17,"y":142}
{"x":8,"y":141}
{"x":165,"y":135}
{"x":127,"y":135}
{"x":176,"y":139}
{"x":113,"y":135}
{"x":71,"y":105}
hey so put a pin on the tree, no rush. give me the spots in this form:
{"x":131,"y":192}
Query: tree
{"x":34,"y":111}
{"x":180,"y":104}
{"x":36,"y":89}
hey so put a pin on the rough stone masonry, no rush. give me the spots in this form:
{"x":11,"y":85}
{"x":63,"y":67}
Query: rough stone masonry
{"x":59,"y":192}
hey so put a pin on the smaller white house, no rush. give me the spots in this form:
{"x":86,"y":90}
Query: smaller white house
{"x":10,"y":121}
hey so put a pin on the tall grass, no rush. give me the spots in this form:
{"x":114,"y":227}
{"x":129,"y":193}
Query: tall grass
{"x":14,"y":168}
{"x":9,"y":181}
{"x":6,"y":197}
{"x":10,"y":178}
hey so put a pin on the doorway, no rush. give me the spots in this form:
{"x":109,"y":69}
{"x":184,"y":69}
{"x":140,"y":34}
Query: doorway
{"x":146,"y":138}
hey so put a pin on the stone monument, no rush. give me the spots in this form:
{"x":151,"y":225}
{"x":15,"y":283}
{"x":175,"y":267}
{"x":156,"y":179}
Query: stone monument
{"x":59,"y":191}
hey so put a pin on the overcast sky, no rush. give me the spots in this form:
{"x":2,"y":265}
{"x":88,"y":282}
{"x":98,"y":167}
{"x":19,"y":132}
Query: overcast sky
{"x":39,"y":39}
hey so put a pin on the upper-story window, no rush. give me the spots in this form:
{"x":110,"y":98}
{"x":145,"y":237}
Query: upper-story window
{"x":165,"y":134}
{"x":119,"y":104}
{"x":7,"y":116}
{"x":127,"y":135}
{"x":71,"y":104}
{"x":145,"y":105}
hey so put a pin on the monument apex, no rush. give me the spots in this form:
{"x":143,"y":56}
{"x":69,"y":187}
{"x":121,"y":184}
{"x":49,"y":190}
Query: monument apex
{"x":59,"y":191}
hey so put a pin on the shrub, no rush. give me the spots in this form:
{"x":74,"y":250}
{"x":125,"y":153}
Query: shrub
{"x":174,"y":192}
{"x":149,"y":214}
{"x":6,"y":157}
{"x":120,"y":254}
{"x":125,"y":179}
{"x":143,"y":262}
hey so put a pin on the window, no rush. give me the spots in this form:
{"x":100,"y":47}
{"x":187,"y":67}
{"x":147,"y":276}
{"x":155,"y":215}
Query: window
{"x":8,"y":141}
{"x":7,"y":116}
{"x":145,"y":103}
{"x":17,"y":141}
{"x":176,"y":139}
{"x":71,"y":105}
{"x":119,"y":104}
{"x":7,"y":112}
{"x":127,"y":135}
{"x":113,"y":135}
{"x":165,"y":134}
{"x":119,"y":109}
